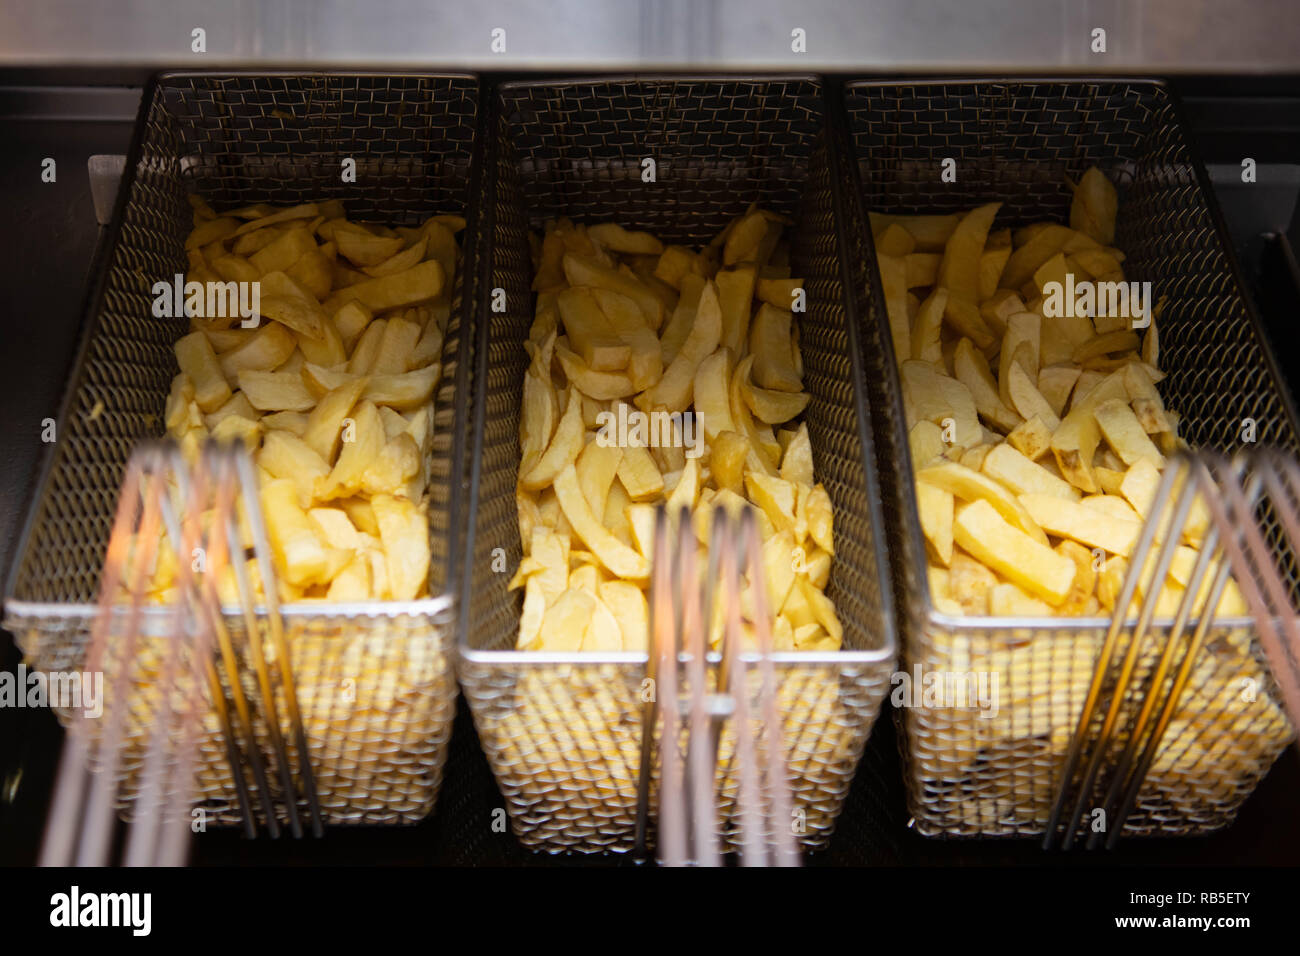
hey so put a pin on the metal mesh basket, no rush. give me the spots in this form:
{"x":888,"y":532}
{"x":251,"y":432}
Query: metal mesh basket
{"x":1018,"y":141}
{"x":562,"y":731}
{"x":375,"y":681}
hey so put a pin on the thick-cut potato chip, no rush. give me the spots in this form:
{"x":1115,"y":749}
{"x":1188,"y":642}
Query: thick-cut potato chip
{"x":735,"y":296}
{"x":263,"y":216}
{"x":363,"y":438}
{"x":769,"y":340}
{"x":211,"y":230}
{"x":645,"y":360}
{"x":1125,"y":434}
{"x":674,"y":390}
{"x":592,"y":336}
{"x":237,"y":405}
{"x":935,"y":506}
{"x":1091,"y":526}
{"x":585,"y":271}
{"x":613,"y":236}
{"x":797,"y":460}
{"x":780,"y":293}
{"x":966,"y":319}
{"x":602,"y":386}
{"x":1007,"y":600}
{"x":275,"y":391}
{"x":1032,"y":438}
{"x":328,"y":350}
{"x":400,"y":261}
{"x":597,"y":467}
{"x":1094,"y":207}
{"x":301,"y":555}
{"x":1018,"y":473}
{"x":711,"y":388}
{"x":282,"y":250}
{"x":286,"y":456}
{"x":420,"y":283}
{"x":1025,"y":397}
{"x":675,"y":263}
{"x":395,"y":348}
{"x":970,"y":485}
{"x":982,"y":532}
{"x":639,"y":474}
{"x":744,"y":238}
{"x":395,"y":470}
{"x":234,"y":268}
{"x":959,"y":270}
{"x":286,"y":301}
{"x":771,"y":406}
{"x":563,"y":449}
{"x":893,"y":280}
{"x":405,"y":392}
{"x":404,"y":532}
{"x":351,"y":320}
{"x":266,"y":349}
{"x":365,"y":249}
{"x":682,"y":318}
{"x":325,"y":422}
{"x":925,"y":332}
{"x":613,"y":554}
{"x":894,"y":240}
{"x":199,"y":363}
{"x":972,"y":370}
{"x":930,"y":233}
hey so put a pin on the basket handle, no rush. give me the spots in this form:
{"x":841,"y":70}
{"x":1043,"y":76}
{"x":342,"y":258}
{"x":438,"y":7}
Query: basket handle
{"x":1125,"y":715}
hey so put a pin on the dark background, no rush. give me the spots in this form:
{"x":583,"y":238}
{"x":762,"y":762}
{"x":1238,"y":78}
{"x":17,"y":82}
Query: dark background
{"x":49,"y":239}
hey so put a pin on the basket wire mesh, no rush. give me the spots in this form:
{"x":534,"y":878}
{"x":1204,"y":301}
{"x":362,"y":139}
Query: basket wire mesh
{"x":562,"y":731}
{"x":375,"y":681}
{"x":1022,"y":142}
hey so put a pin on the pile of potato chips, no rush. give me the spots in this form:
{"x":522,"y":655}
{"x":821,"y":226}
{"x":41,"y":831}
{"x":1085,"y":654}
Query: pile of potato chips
{"x":1037,"y":434}
{"x":628,"y":330}
{"x":331,"y":390}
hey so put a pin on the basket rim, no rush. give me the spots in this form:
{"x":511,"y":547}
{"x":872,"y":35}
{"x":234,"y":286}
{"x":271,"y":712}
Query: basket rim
{"x":887,"y":617}
{"x":966,"y":79}
{"x":165,"y":75}
{"x":604,"y":79}
{"x":93,"y":304}
{"x":921,"y":603}
{"x":18,"y":611}
{"x":537,"y":658}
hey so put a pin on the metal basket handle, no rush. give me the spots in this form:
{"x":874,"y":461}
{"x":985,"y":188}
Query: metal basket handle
{"x":685,"y":610}
{"x":1121,"y":713}
{"x":166,"y":502}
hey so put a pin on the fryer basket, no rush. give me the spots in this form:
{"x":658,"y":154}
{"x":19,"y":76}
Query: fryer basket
{"x":1020,"y":142}
{"x":562,"y":731}
{"x":375,"y":681}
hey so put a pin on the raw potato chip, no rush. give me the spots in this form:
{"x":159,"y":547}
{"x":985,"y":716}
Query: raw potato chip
{"x":1012,"y":553}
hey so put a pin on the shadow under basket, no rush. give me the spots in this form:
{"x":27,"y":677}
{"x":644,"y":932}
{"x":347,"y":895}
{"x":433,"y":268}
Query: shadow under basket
{"x":375,"y":681}
{"x":562,"y":732}
{"x":1021,"y":143}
